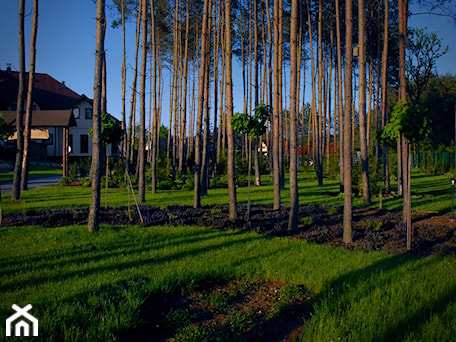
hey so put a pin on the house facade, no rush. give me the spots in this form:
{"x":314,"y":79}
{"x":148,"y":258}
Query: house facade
{"x":61,"y":118}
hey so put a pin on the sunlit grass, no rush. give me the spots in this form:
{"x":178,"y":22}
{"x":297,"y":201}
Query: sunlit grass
{"x":35,"y":171}
{"x":91,"y":286}
{"x":429,"y":193}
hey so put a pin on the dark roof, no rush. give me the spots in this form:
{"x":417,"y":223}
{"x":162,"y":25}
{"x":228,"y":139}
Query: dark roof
{"x":45,"y":118}
{"x":48,"y":93}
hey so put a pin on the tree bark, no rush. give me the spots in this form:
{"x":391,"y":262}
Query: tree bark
{"x":294,"y":198}
{"x":199,"y":123}
{"x":348,"y":201}
{"x":16,"y":189}
{"x":340,"y":95}
{"x":362,"y":102}
{"x":142,"y":108}
{"x":28,"y":112}
{"x":276,"y":110}
{"x":229,"y":114}
{"x":94,"y":210}
{"x":384,"y":93}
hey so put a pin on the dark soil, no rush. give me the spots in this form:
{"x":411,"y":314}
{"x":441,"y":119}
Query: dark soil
{"x":372,"y":229}
{"x":239,"y":310}
{"x":243,"y":310}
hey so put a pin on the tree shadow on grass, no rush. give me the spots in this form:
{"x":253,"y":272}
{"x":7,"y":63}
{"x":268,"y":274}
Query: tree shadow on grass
{"x":350,"y":319}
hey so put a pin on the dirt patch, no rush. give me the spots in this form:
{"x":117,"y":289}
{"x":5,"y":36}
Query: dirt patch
{"x":238,"y":310}
{"x":383,"y":230}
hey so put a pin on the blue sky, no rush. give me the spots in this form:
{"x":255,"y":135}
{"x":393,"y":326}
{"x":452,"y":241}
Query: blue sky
{"x":66,"y":45}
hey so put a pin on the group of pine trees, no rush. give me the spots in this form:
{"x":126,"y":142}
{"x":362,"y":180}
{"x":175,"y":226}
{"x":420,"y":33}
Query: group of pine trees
{"x":353,"y":50}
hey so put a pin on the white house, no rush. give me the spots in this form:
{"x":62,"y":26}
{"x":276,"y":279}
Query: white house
{"x":61,"y":116}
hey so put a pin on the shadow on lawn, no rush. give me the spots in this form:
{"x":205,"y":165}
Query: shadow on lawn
{"x":243,"y":310}
{"x":343,"y":296}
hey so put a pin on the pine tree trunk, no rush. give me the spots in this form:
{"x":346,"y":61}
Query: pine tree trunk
{"x":28,"y":112}
{"x":348,"y":201}
{"x":229,"y":114}
{"x":362,"y":102}
{"x":94,"y":210}
{"x":142,"y":109}
{"x":384,"y":97}
{"x":16,"y":188}
{"x":276,"y":110}
{"x":340,"y":95}
{"x":199,"y":123}
{"x":294,"y":198}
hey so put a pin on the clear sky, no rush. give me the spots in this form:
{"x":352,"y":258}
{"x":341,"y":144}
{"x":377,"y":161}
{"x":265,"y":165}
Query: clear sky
{"x":66,"y":45}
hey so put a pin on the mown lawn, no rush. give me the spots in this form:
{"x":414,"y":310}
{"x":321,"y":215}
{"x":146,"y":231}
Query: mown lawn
{"x":429,"y":193}
{"x":35,"y":171}
{"x":90,"y":287}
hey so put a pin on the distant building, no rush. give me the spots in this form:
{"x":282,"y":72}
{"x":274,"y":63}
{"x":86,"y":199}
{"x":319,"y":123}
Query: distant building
{"x":58,"y":113}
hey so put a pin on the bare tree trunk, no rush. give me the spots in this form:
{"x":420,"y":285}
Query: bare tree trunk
{"x":132,"y":128}
{"x":362,"y":102}
{"x":276,"y":110}
{"x":320,"y":114}
{"x":294,"y":197}
{"x":256,"y":160}
{"x":199,"y":123}
{"x":340,"y":106}
{"x":28,"y":112}
{"x":142,"y":108}
{"x":94,"y":210}
{"x":124,"y":80}
{"x":16,"y":189}
{"x":348,"y":201}
{"x":279,"y":103}
{"x":384,"y":99}
{"x":229,"y":114}
{"x":405,"y":146}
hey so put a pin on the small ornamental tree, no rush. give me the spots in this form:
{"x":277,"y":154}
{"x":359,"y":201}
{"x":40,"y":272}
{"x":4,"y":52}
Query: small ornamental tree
{"x":111,"y":133}
{"x":408,"y":121}
{"x":254,"y":126}
{"x":6,"y":129}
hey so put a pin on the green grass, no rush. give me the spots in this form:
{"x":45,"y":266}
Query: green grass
{"x":429,"y":193}
{"x":91,"y":286}
{"x":35,"y":171}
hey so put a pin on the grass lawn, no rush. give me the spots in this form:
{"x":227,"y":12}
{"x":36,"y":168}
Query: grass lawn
{"x":35,"y":171}
{"x":92,"y":287}
{"x":429,"y":193}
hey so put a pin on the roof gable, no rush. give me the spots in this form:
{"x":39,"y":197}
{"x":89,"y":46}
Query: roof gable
{"x":48,"y":93}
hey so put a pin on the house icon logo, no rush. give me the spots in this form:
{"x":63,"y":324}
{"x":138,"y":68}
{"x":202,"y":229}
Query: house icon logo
{"x":23,"y":320}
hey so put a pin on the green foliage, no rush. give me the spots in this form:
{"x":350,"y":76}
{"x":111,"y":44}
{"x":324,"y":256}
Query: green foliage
{"x":6,"y":130}
{"x":163,"y":133}
{"x":111,"y":129}
{"x":409,"y":120}
{"x":253,"y":125}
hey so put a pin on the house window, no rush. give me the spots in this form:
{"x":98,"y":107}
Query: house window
{"x":84,"y":143}
{"x":88,"y":113}
{"x":76,"y":113}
